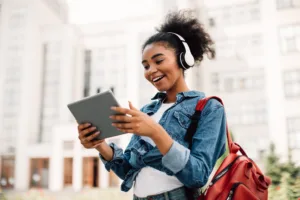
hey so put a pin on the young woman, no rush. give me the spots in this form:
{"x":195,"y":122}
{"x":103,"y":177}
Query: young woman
{"x":157,"y":162}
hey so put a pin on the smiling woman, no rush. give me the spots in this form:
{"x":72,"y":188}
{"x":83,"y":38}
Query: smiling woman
{"x":158,"y":162}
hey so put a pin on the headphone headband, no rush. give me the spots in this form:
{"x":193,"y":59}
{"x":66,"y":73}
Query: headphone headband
{"x":186,"y":58}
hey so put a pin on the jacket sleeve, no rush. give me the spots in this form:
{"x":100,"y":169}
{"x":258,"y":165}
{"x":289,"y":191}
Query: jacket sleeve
{"x":193,"y":167}
{"x":119,"y":164}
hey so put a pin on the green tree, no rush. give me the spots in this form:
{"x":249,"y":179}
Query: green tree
{"x":291,"y":169}
{"x":284,"y":191}
{"x":285,"y":177}
{"x":273,"y":192}
{"x":273,"y":169}
{"x":295,"y":189}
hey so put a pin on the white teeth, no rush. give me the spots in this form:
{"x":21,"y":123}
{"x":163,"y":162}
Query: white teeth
{"x":156,"y":79}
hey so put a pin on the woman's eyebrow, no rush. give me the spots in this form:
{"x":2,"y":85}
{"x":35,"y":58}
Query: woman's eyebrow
{"x":154,"y":56}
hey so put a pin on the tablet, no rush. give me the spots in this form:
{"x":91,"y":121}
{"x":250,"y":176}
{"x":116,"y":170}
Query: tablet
{"x":96,"y":111}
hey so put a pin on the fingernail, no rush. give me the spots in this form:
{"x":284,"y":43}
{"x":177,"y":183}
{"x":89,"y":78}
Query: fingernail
{"x":113,"y":107}
{"x":98,"y":132}
{"x":111,"y":117}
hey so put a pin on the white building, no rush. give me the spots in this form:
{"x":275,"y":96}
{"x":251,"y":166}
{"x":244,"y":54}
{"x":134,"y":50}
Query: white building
{"x":257,"y":72}
{"x":37,"y":51}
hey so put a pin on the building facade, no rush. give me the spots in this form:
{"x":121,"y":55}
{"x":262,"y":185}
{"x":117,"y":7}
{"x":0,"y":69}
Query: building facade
{"x":256,"y":72}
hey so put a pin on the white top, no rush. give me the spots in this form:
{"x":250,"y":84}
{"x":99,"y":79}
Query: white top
{"x":150,"y":181}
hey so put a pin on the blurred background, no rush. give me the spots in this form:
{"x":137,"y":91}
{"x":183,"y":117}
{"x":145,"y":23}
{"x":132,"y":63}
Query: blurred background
{"x":53,"y":52}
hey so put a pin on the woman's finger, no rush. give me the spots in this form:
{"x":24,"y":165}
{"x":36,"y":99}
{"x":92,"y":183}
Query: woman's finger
{"x":91,"y":137}
{"x":126,"y":130}
{"x":87,"y":131}
{"x":80,"y":127}
{"x":125,"y":111}
{"x":124,"y":125}
{"x":122,"y":118}
{"x":131,"y":106}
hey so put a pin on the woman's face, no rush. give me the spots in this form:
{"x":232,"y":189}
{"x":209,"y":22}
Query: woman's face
{"x":160,"y":64}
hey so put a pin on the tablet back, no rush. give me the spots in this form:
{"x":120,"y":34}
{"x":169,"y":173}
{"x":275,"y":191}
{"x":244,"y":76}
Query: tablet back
{"x":96,"y":110}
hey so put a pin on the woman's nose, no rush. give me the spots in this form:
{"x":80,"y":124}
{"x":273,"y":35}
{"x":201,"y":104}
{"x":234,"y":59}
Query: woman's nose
{"x":152,"y":69}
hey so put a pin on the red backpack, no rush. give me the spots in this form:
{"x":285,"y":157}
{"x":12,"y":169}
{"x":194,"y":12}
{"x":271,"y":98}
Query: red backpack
{"x":238,"y":177}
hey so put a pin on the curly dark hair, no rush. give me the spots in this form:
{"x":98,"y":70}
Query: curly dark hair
{"x":188,"y":26}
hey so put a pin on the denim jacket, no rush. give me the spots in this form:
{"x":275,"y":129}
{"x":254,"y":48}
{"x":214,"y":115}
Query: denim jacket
{"x":192,"y":166}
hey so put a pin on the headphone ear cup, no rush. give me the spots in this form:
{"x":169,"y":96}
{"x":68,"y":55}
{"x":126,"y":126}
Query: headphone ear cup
{"x":189,"y":59}
{"x":183,"y":64}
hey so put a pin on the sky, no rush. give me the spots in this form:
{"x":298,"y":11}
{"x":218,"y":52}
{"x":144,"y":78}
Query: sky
{"x":90,"y":11}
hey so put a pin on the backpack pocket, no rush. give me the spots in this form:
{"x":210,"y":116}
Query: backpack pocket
{"x":240,"y":191}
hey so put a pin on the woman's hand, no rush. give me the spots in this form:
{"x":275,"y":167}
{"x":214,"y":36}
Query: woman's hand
{"x":135,"y":121}
{"x":86,"y":136}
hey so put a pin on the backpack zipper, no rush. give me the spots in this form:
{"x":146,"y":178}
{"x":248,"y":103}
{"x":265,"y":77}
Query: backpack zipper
{"x":221,"y":174}
{"x":233,"y":188}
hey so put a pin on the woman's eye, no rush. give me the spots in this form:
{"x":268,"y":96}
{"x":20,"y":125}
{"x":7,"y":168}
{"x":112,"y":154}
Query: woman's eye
{"x":159,"y":61}
{"x":146,"y":67}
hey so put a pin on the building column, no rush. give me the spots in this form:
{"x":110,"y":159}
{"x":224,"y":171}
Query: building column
{"x":56,"y":163}
{"x":132,"y":63}
{"x":21,"y":162}
{"x":274,"y":82}
{"x":104,"y":176}
{"x":77,"y":166}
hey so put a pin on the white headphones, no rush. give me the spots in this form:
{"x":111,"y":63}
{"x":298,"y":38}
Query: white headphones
{"x":186,"y":58}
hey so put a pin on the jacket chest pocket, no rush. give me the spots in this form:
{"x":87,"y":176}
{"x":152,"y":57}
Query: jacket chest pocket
{"x":182,"y":119}
{"x":178,"y":126}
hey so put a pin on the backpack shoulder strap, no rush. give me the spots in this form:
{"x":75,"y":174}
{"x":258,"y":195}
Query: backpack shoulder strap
{"x":233,"y":148}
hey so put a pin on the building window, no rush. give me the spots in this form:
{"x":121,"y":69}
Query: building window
{"x":87,"y":72}
{"x":234,"y":82}
{"x":39,"y":175}
{"x":290,"y":38}
{"x":211,"y":22}
{"x":98,"y":90}
{"x":12,"y":78}
{"x":292,"y":83}
{"x":86,"y":92}
{"x":247,"y":45}
{"x":90,"y":172}
{"x":114,"y":75}
{"x":293,"y":127}
{"x":7,"y":179}
{"x":247,"y":114}
{"x":68,"y":172}
{"x":281,"y":4}
{"x":112,"y":89}
{"x":236,"y":14}
{"x":50,"y":90}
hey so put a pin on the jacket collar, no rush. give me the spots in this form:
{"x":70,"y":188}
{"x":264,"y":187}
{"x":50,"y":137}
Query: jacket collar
{"x":191,"y":93}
